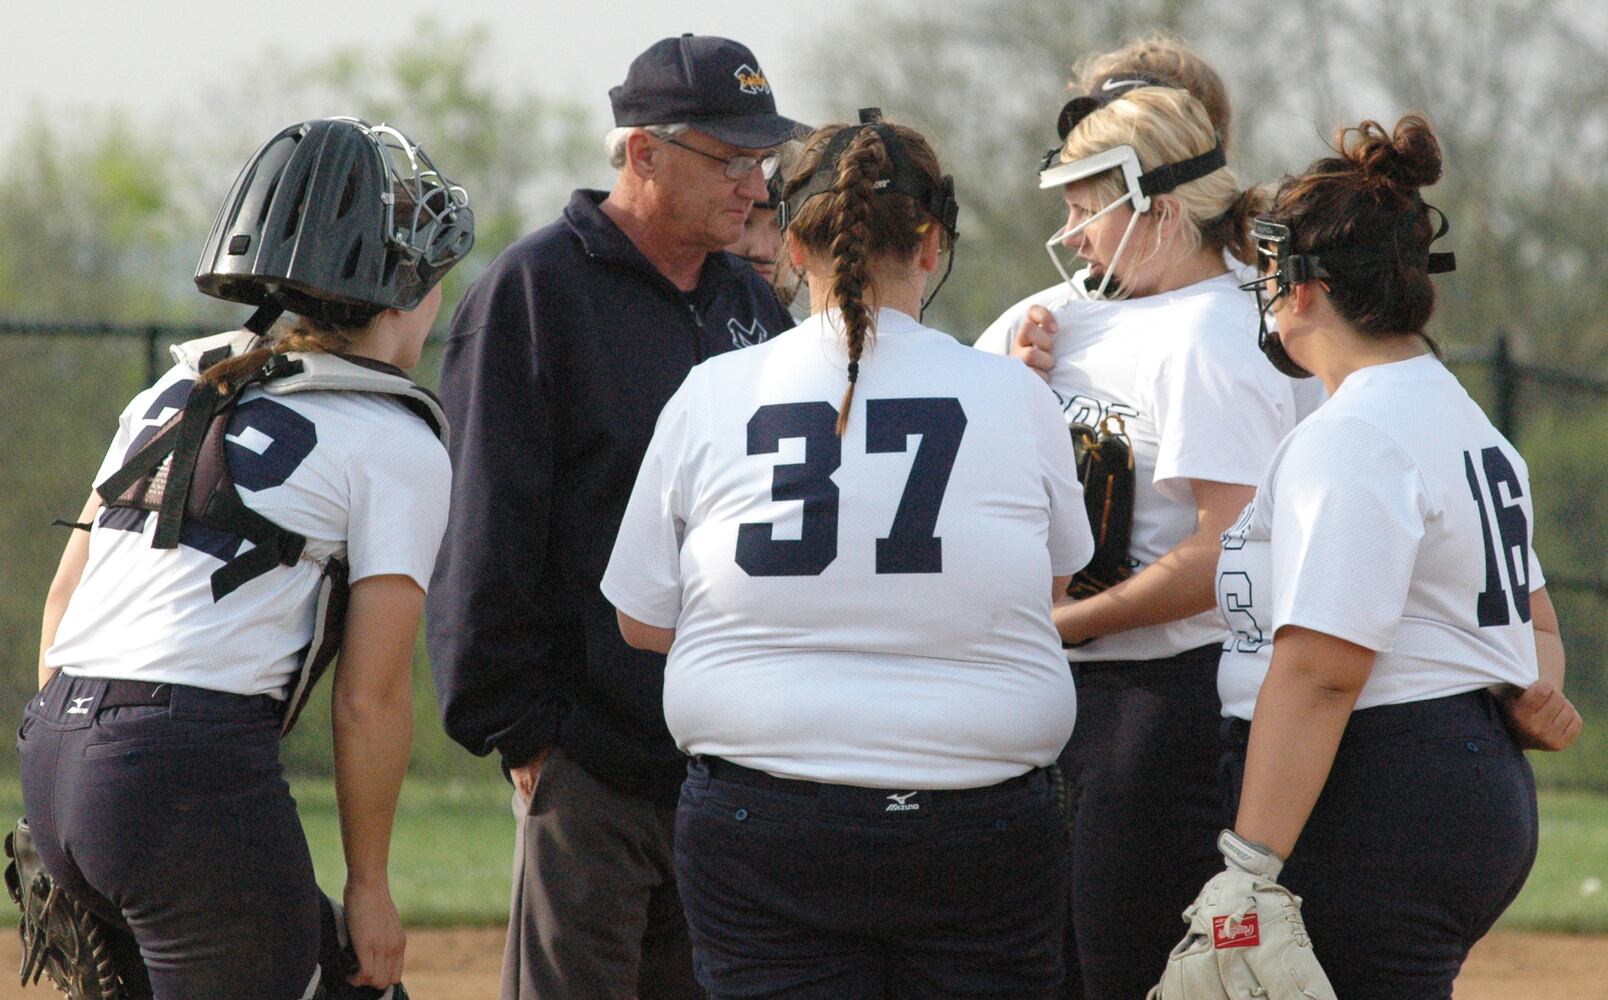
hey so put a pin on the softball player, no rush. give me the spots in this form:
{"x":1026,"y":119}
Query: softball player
{"x":857,"y":584}
{"x":1385,"y":598}
{"x":1172,"y":364}
{"x":1156,"y":60}
{"x":150,"y":765}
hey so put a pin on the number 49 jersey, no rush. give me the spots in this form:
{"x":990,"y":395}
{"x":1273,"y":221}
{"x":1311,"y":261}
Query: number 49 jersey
{"x":1395,"y":517}
{"x":872,"y":609}
{"x":356,"y":473}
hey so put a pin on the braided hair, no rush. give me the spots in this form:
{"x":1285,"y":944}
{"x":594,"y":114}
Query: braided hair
{"x":308,"y":334}
{"x":855,"y":224}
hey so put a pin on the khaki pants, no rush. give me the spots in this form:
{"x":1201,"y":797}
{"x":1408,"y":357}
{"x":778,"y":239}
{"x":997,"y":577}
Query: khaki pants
{"x":595,"y":912}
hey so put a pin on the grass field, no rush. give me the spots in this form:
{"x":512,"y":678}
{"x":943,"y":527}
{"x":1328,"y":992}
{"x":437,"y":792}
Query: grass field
{"x":452,"y":852}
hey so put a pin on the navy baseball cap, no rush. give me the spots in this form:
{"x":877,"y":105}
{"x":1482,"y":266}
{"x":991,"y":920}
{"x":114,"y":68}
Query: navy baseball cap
{"x":713,"y":84}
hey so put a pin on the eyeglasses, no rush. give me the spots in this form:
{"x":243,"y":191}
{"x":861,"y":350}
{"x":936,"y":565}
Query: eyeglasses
{"x":741,"y":165}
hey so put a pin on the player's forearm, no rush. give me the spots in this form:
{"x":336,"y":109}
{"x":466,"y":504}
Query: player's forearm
{"x":372,"y":743}
{"x":1301,"y":714}
{"x":1548,"y":638}
{"x":372,"y":713}
{"x":1176,"y":586}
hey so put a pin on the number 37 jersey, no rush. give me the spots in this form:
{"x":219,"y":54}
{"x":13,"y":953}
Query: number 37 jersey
{"x":1395,"y":517}
{"x":871,"y":609}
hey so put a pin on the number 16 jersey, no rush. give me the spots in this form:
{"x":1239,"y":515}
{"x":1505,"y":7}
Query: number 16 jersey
{"x":868,"y":610}
{"x":1395,"y":517}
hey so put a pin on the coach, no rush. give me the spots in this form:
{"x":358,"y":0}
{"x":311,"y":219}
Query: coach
{"x":559,"y":360}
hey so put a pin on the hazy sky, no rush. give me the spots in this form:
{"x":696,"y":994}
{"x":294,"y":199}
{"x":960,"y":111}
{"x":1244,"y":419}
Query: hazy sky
{"x":160,"y":58}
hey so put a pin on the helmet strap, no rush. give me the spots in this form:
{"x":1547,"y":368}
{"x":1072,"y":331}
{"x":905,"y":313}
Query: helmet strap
{"x":261,"y":320}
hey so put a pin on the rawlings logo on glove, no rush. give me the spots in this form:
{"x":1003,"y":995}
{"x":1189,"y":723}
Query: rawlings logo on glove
{"x":1230,"y":933}
{"x":1246,"y":938}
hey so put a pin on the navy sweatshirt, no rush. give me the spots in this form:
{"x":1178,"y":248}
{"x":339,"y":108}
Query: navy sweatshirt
{"x":559,"y":359}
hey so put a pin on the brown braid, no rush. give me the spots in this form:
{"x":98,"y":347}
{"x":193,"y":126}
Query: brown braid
{"x":851,"y":201}
{"x":853,"y":226}
{"x":295,"y":333}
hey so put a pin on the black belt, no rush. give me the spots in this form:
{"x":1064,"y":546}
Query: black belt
{"x":123,"y":693}
{"x":722,"y":769}
{"x":1201,"y":658}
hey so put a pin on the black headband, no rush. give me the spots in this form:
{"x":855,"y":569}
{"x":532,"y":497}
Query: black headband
{"x":1082,"y":106}
{"x":1165,"y":178}
{"x":1296,"y":268}
{"x":907,"y":179}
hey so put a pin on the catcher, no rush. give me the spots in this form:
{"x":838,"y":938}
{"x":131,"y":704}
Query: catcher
{"x":1156,"y":355}
{"x":281,"y":489}
{"x":1394,"y":646}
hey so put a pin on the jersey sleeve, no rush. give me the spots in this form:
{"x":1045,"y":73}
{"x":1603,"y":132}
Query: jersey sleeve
{"x":118,"y":452}
{"x":643,"y":578}
{"x":1220,"y":410}
{"x":1349,"y":509}
{"x":1071,"y":542}
{"x":399,"y":485}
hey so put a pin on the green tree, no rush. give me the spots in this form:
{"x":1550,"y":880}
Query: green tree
{"x":85,"y":226}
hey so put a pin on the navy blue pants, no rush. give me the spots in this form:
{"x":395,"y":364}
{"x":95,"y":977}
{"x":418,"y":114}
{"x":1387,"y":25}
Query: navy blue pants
{"x":799,"y":890}
{"x":1424,"y":833}
{"x":173,"y":821}
{"x":1143,"y":773}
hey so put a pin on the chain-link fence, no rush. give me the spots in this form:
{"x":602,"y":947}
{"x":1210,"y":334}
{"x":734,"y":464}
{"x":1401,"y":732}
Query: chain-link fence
{"x":62,"y":387}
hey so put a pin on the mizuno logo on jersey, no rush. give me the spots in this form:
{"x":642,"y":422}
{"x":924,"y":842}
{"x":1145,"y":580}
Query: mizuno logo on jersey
{"x":898,"y":803}
{"x":79,"y":705}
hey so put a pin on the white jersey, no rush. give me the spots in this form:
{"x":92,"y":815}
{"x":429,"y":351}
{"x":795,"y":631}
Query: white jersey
{"x":1397,"y":518}
{"x":356,"y":473}
{"x":1197,"y":399}
{"x":1308,"y":393}
{"x":872,"y":610}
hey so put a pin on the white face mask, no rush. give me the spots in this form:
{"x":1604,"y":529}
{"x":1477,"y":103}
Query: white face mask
{"x":1056,"y":246}
{"x":1056,"y":175}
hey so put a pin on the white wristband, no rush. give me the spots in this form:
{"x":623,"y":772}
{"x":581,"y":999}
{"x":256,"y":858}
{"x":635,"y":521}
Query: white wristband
{"x":1249,"y":856}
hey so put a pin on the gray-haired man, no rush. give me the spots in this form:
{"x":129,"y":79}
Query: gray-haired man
{"x":560,"y":358}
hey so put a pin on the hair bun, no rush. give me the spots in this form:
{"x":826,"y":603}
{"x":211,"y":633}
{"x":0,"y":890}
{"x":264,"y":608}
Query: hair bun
{"x":1407,"y":159}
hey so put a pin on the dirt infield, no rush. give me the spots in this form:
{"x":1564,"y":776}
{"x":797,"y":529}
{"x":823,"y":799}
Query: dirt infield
{"x":463,"y":964}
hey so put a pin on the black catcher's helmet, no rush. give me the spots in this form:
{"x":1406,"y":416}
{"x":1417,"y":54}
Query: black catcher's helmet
{"x":336,"y":218}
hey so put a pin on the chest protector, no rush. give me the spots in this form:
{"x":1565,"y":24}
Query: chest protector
{"x":182,"y":475}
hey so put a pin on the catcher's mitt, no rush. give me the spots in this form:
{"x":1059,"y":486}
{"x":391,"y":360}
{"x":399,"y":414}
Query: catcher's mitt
{"x":1245,"y":938}
{"x":83,"y":956}
{"x":1105,"y":468}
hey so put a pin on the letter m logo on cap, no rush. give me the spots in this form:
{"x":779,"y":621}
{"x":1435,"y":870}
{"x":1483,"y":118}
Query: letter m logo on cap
{"x":751,"y":80}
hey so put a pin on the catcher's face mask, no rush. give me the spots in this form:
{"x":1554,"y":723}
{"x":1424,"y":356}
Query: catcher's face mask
{"x":1284,"y":270}
{"x":1121,"y":158}
{"x":1290,"y":269}
{"x":1140,"y":190}
{"x":437,"y":229}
